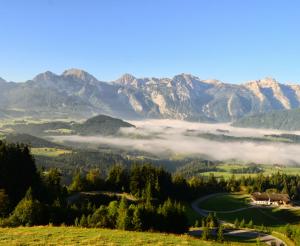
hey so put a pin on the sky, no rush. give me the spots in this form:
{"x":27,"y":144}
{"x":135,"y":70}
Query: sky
{"x":230,"y":40}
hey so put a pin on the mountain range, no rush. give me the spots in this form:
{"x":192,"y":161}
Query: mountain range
{"x":77,"y":94}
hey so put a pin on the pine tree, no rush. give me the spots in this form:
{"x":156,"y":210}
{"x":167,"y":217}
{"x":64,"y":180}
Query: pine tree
{"x":236,"y":223}
{"x":205,"y":233}
{"x":76,"y":222}
{"x":123,"y":220}
{"x":78,"y":183}
{"x":242,"y":224}
{"x":83,"y":221}
{"x":29,"y":211}
{"x":220,"y":235}
{"x":250,"y":224}
{"x":136,"y":220}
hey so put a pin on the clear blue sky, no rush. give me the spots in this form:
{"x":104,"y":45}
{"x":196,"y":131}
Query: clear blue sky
{"x":231,"y":40}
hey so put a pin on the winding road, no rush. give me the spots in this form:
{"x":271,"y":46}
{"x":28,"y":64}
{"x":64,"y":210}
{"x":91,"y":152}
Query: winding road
{"x":247,"y":233}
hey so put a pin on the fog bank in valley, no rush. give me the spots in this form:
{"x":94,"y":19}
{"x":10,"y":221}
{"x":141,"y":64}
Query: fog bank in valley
{"x":179,"y":137}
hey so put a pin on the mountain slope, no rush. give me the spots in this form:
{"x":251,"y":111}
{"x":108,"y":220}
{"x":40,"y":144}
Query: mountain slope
{"x":282,"y":120}
{"x":77,"y":94}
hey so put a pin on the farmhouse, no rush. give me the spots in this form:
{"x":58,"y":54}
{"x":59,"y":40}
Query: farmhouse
{"x":264,"y":198}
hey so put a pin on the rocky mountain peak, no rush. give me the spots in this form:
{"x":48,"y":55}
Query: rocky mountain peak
{"x":185,"y":78}
{"x":46,"y":76}
{"x":126,"y":79}
{"x":79,"y":75}
{"x":268,"y":82}
{"x":2,"y":80}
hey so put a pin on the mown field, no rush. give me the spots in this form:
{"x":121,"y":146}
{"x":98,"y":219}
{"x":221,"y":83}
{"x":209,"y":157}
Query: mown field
{"x":48,"y":235}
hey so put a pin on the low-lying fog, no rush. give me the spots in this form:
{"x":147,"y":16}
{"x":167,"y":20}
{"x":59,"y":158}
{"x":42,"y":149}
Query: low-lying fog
{"x":178,"y":137}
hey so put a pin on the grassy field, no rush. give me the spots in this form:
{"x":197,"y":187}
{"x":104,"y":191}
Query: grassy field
{"x":275,"y":218}
{"x":268,"y":170}
{"x":49,"y":152}
{"x":83,"y":236}
{"x":225,"y":202}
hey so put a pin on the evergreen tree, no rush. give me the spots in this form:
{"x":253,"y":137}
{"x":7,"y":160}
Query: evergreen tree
{"x":123,"y":220}
{"x":137,"y":219}
{"x":94,"y":181}
{"x":242,"y":223}
{"x":17,"y":171}
{"x":117,"y":178}
{"x":220,"y":235}
{"x":113,"y":208}
{"x":76,"y":222}
{"x":197,"y":223}
{"x":205,"y":233}
{"x":100,"y":217}
{"x":78,"y":183}
{"x":236,"y":223}
{"x":28,"y":212}
{"x":250,"y":224}
{"x":83,"y":221}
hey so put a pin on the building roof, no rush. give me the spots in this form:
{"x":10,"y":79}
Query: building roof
{"x":273,"y":197}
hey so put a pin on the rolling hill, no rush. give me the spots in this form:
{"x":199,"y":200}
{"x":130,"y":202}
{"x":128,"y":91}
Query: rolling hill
{"x":100,"y":125}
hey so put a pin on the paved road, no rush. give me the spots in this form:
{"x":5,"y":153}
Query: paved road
{"x":247,"y":233}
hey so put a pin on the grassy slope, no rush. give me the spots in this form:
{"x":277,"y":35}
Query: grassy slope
{"x":84,"y":236}
{"x":225,"y":202}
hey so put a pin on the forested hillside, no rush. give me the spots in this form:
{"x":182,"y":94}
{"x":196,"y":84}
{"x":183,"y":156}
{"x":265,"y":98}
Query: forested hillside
{"x":282,"y":120}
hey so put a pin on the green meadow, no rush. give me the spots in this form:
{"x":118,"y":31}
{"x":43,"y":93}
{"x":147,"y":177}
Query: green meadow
{"x":47,"y":235}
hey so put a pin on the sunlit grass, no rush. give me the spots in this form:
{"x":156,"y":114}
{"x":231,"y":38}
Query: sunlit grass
{"x":48,"y":235}
{"x":49,"y":152}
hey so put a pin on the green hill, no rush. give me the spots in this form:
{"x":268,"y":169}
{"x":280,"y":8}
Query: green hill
{"x":282,"y":120}
{"x":101,"y":125}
